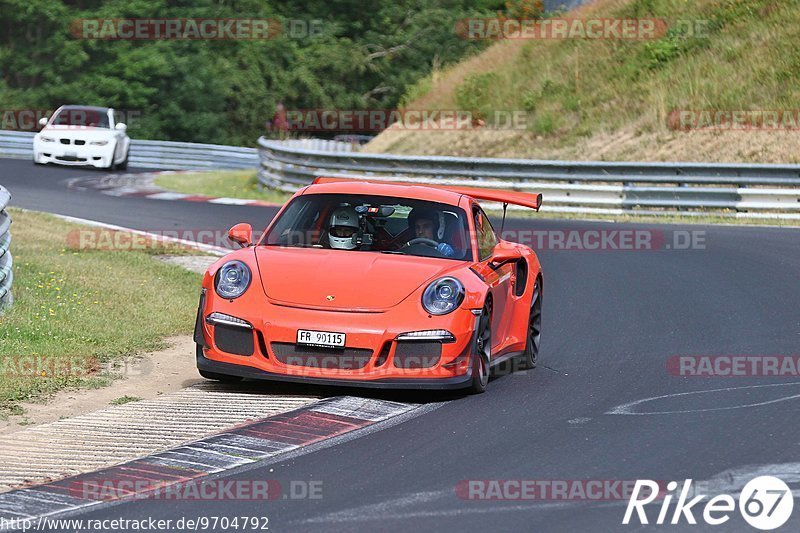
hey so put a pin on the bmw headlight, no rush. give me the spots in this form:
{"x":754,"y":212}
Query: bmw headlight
{"x":233,"y":279}
{"x":99,"y":143}
{"x":443,"y":296}
{"x":47,"y":139}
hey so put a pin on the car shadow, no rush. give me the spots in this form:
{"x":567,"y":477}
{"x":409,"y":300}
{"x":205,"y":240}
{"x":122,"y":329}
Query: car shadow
{"x":328,"y":391}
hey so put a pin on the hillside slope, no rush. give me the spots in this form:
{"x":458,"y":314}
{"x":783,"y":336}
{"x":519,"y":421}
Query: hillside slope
{"x":616,"y":100}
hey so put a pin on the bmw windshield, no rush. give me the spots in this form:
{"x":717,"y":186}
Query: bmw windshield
{"x":361,"y":223}
{"x":83,"y":117}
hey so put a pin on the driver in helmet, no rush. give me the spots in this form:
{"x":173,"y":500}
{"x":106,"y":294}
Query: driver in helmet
{"x":344,"y":224}
{"x":429,"y":223}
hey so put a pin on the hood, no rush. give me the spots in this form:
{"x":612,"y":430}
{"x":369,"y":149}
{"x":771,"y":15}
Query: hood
{"x":355,"y":280}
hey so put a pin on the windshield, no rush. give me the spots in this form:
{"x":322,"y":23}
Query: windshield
{"x":384,"y":224}
{"x":81,"y":116}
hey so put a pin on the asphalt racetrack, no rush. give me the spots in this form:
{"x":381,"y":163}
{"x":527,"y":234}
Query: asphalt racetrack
{"x":606,"y":403}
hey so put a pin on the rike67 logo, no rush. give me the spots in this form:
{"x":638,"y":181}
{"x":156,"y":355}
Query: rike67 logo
{"x":765,"y":503}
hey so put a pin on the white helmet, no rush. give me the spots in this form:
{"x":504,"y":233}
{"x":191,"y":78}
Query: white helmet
{"x":344,"y":224}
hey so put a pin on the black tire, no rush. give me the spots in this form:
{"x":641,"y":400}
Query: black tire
{"x":112,"y":166}
{"x":124,"y":164}
{"x":531,"y":355}
{"x":481,"y":354}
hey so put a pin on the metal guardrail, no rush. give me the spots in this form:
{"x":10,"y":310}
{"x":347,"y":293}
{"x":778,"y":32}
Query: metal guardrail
{"x":616,"y":188}
{"x":688,"y":189}
{"x":163,"y":155}
{"x":6,"y":272}
{"x":169,"y":155}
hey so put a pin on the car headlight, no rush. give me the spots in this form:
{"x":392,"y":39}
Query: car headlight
{"x":47,"y":139}
{"x":443,"y":296}
{"x":98,"y":143}
{"x":232,"y":279}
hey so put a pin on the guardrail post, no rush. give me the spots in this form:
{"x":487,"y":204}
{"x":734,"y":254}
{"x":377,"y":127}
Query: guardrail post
{"x":6,"y":265}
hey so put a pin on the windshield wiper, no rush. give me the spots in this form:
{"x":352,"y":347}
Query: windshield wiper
{"x":392,"y":252}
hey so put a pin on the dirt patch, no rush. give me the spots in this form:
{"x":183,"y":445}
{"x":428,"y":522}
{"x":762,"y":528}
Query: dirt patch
{"x":145,"y":377}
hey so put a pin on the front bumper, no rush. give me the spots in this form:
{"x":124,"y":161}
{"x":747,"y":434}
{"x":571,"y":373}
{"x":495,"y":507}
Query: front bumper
{"x":229,"y":369}
{"x":373,"y":356}
{"x":63,"y":154}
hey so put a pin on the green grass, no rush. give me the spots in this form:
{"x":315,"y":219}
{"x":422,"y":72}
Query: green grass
{"x":735,"y":54}
{"x":747,"y":56}
{"x":227,"y":184}
{"x":122,"y":400}
{"x":76,"y":310}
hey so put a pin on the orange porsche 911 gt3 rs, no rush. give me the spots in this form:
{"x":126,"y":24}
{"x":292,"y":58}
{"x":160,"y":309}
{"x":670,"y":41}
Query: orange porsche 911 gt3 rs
{"x":373,"y":284}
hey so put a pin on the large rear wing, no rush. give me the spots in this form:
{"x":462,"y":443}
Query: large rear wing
{"x":525,"y":199}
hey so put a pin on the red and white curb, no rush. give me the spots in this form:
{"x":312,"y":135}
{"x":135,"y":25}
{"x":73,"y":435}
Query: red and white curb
{"x":234,"y":448}
{"x":143,"y":186}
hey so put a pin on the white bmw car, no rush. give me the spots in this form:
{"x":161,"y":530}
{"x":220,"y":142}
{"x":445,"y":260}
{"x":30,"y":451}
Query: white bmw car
{"x":82,"y":135}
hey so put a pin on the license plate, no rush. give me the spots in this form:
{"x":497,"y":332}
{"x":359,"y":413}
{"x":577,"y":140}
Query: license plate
{"x":320,"y":338}
{"x":71,"y":154}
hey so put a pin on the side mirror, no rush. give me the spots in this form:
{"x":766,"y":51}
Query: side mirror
{"x":241,"y":233}
{"x":502,"y":255}
{"x":121,"y":126}
{"x":43,"y":122}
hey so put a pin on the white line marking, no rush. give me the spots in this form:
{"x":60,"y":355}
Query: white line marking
{"x":362,"y":408}
{"x":398,"y":509}
{"x":627,"y":408}
{"x":167,"y":196}
{"x":230,"y":201}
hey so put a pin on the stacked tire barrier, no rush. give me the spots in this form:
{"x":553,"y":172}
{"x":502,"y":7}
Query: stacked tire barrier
{"x":6,"y":273}
{"x":589,"y":187}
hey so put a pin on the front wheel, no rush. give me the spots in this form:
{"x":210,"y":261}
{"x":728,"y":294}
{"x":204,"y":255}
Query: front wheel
{"x":531,"y":355}
{"x":124,"y":164}
{"x":112,"y":166}
{"x":481,"y":354}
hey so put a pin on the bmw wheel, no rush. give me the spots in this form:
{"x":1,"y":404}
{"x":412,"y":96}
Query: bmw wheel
{"x":123,"y":165}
